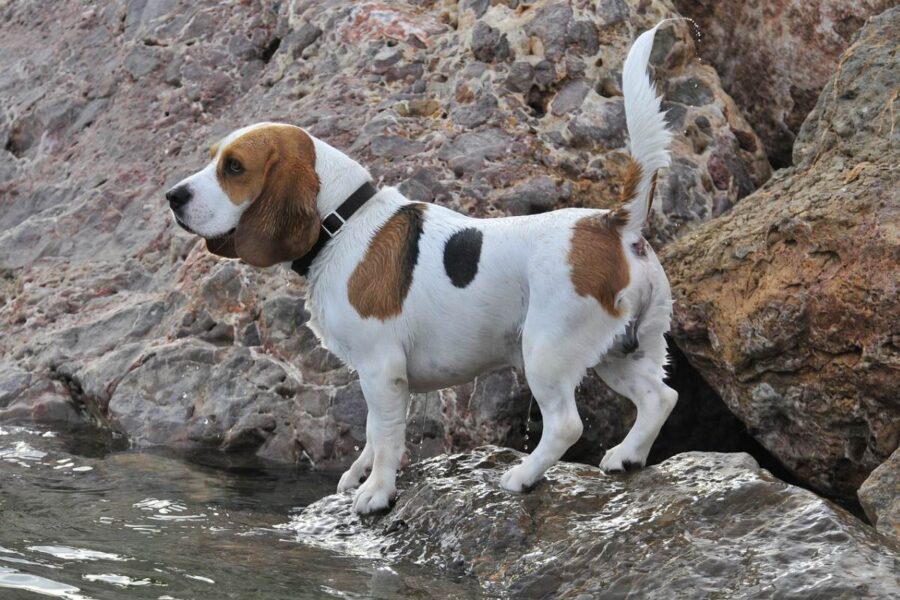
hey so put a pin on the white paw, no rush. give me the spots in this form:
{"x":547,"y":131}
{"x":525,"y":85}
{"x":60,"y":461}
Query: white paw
{"x":516,"y":479}
{"x":350,"y":480}
{"x":620,"y":458}
{"x":373,"y":496}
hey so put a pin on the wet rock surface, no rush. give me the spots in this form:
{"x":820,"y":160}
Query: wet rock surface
{"x":121,"y":318}
{"x":696,"y":524}
{"x":775,"y":56}
{"x":788,"y":304}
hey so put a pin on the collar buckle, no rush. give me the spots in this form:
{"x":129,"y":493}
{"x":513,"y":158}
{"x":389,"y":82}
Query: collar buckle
{"x":329,"y":225}
{"x":332,"y":222}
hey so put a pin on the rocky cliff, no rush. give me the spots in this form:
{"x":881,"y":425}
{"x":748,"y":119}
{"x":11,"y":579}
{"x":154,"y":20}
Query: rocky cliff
{"x":110,"y":314}
{"x":788,"y":304}
{"x":775,"y":56}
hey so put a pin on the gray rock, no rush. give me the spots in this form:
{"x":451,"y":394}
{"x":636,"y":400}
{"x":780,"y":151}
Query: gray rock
{"x":301,"y":39}
{"x":880,"y":496}
{"x":394,"y":146}
{"x":844,"y":114}
{"x":613,"y":11}
{"x":13,"y":381}
{"x":599,"y":130}
{"x":569,"y":97}
{"x":90,"y":113}
{"x":23,"y":134}
{"x":487,"y":144}
{"x":533,"y":196}
{"x":141,"y":61}
{"x":716,"y":521}
{"x":28,"y":399}
{"x":476,"y":6}
{"x":423,"y":186}
{"x":476,"y":114}
{"x":691,"y":92}
{"x":488,"y":44}
{"x":545,"y":73}
{"x":551,"y":24}
{"x":520,"y":77}
{"x":583,"y":36}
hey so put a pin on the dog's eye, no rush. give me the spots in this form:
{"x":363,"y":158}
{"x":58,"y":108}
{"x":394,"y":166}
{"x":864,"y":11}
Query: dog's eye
{"x":233,"y":166}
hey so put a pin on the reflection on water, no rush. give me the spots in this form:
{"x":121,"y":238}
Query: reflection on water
{"x":82,"y":517}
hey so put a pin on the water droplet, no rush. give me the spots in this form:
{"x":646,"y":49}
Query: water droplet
{"x":528,"y":423}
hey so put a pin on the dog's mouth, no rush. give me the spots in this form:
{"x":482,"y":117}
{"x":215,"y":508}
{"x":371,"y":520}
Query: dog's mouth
{"x":183,"y":226}
{"x":220,"y":245}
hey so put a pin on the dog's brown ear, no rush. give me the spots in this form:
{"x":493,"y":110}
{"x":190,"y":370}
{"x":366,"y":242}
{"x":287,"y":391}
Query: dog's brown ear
{"x":282,"y":223}
{"x":222,"y":246}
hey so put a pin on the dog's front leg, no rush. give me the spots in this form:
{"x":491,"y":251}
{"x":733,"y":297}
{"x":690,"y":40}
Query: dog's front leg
{"x":353,"y":476}
{"x":387,"y":393}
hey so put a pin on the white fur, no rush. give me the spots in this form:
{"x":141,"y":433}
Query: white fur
{"x":211,"y":213}
{"x":648,"y":136}
{"x":339,"y":176}
{"x":521,"y":309}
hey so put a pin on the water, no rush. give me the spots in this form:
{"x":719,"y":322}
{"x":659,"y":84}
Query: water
{"x":82,"y":517}
{"x":528,"y":425}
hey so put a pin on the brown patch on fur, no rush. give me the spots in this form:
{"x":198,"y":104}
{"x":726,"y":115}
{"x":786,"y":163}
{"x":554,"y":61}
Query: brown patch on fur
{"x":632,"y":181}
{"x":280,"y":179}
{"x":599,"y":266}
{"x":213,"y":150}
{"x":633,"y":174}
{"x":652,"y":193}
{"x":382,"y":279}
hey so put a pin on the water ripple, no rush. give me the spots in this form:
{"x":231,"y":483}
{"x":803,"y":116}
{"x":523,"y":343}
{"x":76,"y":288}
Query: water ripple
{"x":16,"y":580}
{"x":123,"y":581}
{"x":70,"y":553}
{"x":332,"y":524}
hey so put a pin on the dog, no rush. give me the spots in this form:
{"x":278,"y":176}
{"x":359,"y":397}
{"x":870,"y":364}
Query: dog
{"x":416,"y":297}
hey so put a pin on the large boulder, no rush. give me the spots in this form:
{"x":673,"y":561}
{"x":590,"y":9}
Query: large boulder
{"x":488,"y":109}
{"x":698,"y":524}
{"x":774,"y":56}
{"x":880,"y":496}
{"x":789,"y":305}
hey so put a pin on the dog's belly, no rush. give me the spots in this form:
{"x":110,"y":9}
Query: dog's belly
{"x":432,"y":365}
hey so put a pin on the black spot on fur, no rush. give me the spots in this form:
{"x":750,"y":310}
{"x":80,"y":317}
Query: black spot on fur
{"x":414,"y":214}
{"x":461,"y":255}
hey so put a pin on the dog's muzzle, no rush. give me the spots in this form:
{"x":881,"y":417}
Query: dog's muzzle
{"x":178,"y":197}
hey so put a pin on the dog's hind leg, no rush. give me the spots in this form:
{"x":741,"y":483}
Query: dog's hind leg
{"x":554,"y":365}
{"x":639,"y":377}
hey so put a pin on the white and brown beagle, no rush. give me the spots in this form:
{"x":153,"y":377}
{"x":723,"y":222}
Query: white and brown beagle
{"x":416,"y":297}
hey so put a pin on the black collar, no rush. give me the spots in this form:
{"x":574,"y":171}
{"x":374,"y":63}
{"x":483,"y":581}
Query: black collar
{"x":332,"y":222}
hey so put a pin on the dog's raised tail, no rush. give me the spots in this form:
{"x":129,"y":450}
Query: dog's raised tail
{"x":648,"y":139}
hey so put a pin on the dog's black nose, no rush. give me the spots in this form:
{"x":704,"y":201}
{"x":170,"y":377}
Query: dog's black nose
{"x":178,"y":196}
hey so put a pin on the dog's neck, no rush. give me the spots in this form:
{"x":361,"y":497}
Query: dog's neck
{"x":339,"y":176}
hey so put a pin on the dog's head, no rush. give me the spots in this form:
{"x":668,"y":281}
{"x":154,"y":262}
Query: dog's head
{"x":256,"y":199}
